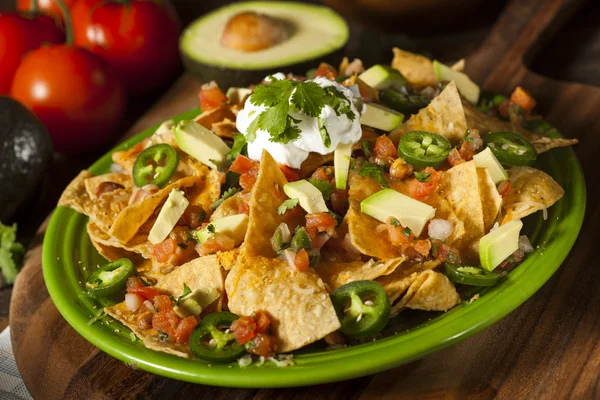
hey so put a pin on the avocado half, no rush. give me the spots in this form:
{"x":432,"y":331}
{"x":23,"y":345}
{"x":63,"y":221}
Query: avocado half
{"x":318,"y":34}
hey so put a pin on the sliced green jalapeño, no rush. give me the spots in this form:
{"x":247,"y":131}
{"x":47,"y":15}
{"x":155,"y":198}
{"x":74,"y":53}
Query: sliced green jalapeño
{"x":405,"y":103}
{"x":473,"y":276}
{"x":155,"y":165}
{"x":511,"y":148}
{"x":423,"y":149}
{"x":212,"y":341}
{"x":110,"y":279}
{"x":362,"y":307}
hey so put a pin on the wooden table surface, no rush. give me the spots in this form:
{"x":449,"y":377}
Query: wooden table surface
{"x":548,"y":348}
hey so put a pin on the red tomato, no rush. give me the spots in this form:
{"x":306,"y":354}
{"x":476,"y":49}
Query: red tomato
{"x":166,"y":319}
{"x":211,"y":98}
{"x":454,"y":158}
{"x":163,"y":250}
{"x":147,"y":292}
{"x":74,"y":92}
{"x":19,"y":34}
{"x":301,"y":261}
{"x":241,"y":164}
{"x":244,"y":329}
{"x":523,"y":98}
{"x":49,"y":7}
{"x":184,"y":330}
{"x":138,"y":37}
{"x":322,"y":222}
{"x":291,"y":174}
{"x":504,"y":187}
{"x":326,"y":70}
{"x":419,"y":190}
{"x":264,"y":345}
{"x":263,"y":322}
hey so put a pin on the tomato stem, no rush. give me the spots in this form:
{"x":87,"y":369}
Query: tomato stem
{"x":67,"y":20}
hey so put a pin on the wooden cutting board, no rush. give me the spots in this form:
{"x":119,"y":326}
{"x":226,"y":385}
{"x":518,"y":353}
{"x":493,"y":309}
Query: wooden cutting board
{"x":548,"y":348}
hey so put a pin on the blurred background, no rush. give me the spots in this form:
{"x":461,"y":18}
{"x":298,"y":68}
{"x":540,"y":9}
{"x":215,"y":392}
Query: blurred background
{"x":448,"y":30}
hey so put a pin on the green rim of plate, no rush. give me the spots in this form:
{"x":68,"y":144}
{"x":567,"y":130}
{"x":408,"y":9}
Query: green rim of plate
{"x":68,"y":257}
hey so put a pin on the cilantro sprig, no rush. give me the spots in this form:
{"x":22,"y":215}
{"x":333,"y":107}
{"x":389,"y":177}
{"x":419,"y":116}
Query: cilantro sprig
{"x":325,"y":187}
{"x":422,"y":176}
{"x":226,"y":194}
{"x":287,"y":205}
{"x":240,"y":146}
{"x":374,"y":171}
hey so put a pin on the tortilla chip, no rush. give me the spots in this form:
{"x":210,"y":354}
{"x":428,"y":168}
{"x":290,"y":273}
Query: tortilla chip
{"x":417,"y":69}
{"x":225,"y":129}
{"x":485,"y":124}
{"x":444,"y":116}
{"x":362,"y":227}
{"x":208,"y":118}
{"x":531,"y":190}
{"x":398,"y":282}
{"x":340,"y":273}
{"x":130,"y":219}
{"x":207,"y":190}
{"x":112,"y":253}
{"x":297,"y":302}
{"x":137,"y":245}
{"x":200,"y":272}
{"x":227,"y":259}
{"x":460,"y":187}
{"x":230,"y":206}
{"x":103,"y":211}
{"x":444,"y":210}
{"x":431,"y":291}
{"x":267,"y":196}
{"x":91,"y":184}
{"x":491,"y":201}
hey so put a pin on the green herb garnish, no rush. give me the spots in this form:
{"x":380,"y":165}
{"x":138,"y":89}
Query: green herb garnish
{"x":186,"y":291}
{"x":422,"y":176}
{"x":407,"y":232}
{"x":287,"y":205}
{"x":325,"y":187}
{"x":11,"y":252}
{"x":226,"y":194}
{"x":240,"y":146}
{"x":374,"y":171}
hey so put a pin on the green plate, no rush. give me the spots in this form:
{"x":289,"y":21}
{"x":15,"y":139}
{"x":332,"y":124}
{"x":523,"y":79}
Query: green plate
{"x":68,"y":257}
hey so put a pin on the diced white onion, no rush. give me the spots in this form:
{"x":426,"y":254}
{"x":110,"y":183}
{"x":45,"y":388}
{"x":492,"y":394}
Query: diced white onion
{"x":286,"y":236}
{"x":348,"y":246}
{"x":245,"y":361}
{"x":116,"y":168}
{"x":148,"y":304}
{"x":440,"y":229}
{"x":133,"y":301}
{"x":525,"y":244}
{"x":289,"y":256}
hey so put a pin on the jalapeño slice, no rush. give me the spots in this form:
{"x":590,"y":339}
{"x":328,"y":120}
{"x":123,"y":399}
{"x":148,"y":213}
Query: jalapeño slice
{"x":511,"y":148}
{"x":362,"y":307}
{"x":212,"y":341}
{"x":472,"y":276}
{"x":423,"y":149}
{"x":110,"y":279}
{"x":155,"y":165}
{"x":406,"y":104}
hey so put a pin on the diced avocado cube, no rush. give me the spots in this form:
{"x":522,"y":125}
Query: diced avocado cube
{"x":168,"y":216}
{"x":234,"y":226}
{"x":201,"y":143}
{"x":309,"y":197}
{"x":380,"y":117}
{"x":383,"y":77}
{"x":487,"y":159}
{"x":500,"y":243}
{"x":465,"y":85}
{"x":195,"y":302}
{"x":236,"y":95}
{"x":341,"y":164}
{"x":390,"y":203}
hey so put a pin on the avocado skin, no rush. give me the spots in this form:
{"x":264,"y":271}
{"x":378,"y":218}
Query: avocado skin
{"x":227,"y":77}
{"x":26,"y":154}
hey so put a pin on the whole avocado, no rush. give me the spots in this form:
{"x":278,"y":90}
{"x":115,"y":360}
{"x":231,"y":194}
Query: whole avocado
{"x":25,"y":156}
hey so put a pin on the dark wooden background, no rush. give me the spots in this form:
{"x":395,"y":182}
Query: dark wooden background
{"x":505,"y":360}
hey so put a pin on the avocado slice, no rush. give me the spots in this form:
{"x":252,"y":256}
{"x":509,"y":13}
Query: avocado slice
{"x":315,"y":34}
{"x":390,"y":203}
{"x":201,"y":143}
{"x":500,"y":243}
{"x":168,"y":216}
{"x":341,"y":164}
{"x":383,"y":77}
{"x":195,"y":302}
{"x":487,"y":159}
{"x":26,"y":155}
{"x":309,"y":197}
{"x":234,"y":226}
{"x":380,"y":117}
{"x":465,"y":85}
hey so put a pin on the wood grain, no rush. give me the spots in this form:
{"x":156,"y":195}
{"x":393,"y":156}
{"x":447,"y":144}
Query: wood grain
{"x":548,"y":348}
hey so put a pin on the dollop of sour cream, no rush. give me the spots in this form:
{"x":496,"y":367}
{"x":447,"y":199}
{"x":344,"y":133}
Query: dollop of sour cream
{"x":340,"y":128}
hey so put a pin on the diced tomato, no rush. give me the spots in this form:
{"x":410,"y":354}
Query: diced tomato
{"x":301,"y":261}
{"x":138,"y":148}
{"x":166,"y":319}
{"x":146,"y":292}
{"x":184,"y":330}
{"x":423,"y":247}
{"x":263,"y":323}
{"x":503,"y":108}
{"x":163,"y":250}
{"x":248,"y":179}
{"x":244,"y":329}
{"x":211,"y":98}
{"x":193,"y":216}
{"x":134,"y":281}
{"x":419,"y":190}
{"x":339,"y":201}
{"x":220,"y":242}
{"x":384,"y":147}
{"x":444,"y":252}
{"x":324,"y":173}
{"x":242,"y":164}
{"x":470,"y":146}
{"x":326,"y":70}
{"x":504,"y":187}
{"x":244,"y":208}
{"x":163,"y":303}
{"x":397,"y":233}
{"x":454,"y":158}
{"x":523,"y":98}
{"x":322,"y":222}
{"x":291,"y":174}
{"x":264,"y":345}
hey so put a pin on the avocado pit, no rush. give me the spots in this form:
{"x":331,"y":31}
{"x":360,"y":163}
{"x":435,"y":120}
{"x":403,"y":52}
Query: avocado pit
{"x":250,"y":31}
